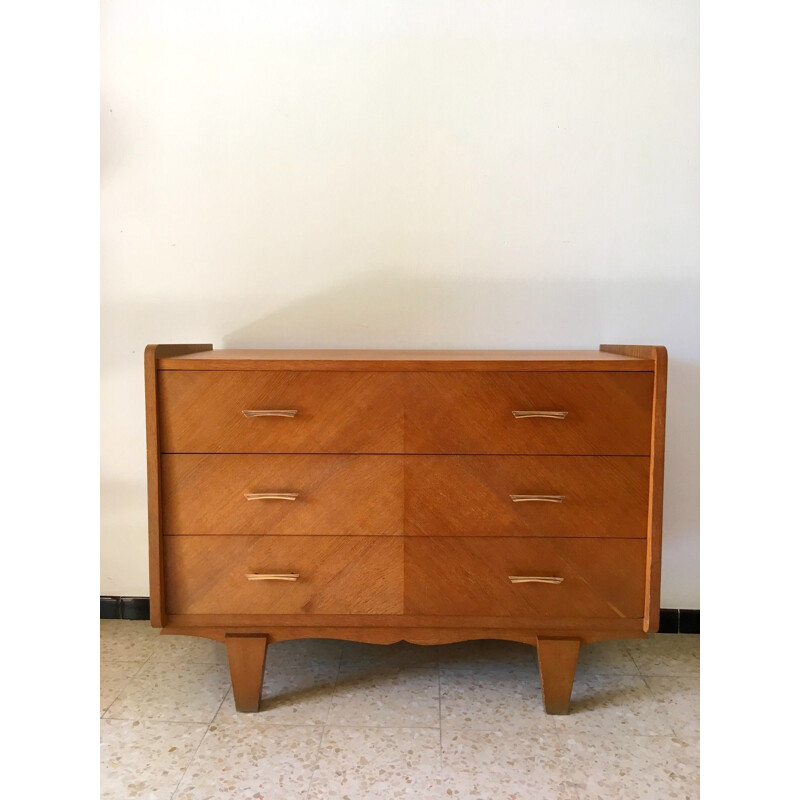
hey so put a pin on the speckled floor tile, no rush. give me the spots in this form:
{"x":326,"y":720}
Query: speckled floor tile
{"x":189,"y":650}
{"x":291,"y":696}
{"x":378,"y":764}
{"x":629,"y":735}
{"x":175,"y":692}
{"x":298,"y":652}
{"x":496,"y":765}
{"x":114,"y":677}
{"x":632,"y":767}
{"x":404,"y":697}
{"x":127,"y":640}
{"x":493,"y":700}
{"x":666,"y":654}
{"x":400,"y":654}
{"x":238,"y":761}
{"x":620,"y":703}
{"x":679,"y":699}
{"x":483,"y":653}
{"x":605,"y":658}
{"x":144,"y":759}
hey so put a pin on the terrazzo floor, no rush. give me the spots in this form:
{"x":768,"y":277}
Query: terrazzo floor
{"x":345,"y":721}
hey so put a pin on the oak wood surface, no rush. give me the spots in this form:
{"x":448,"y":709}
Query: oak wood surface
{"x":408,"y":360}
{"x":657,"y":447}
{"x":246,"y":656}
{"x":338,"y":574}
{"x":407,"y":622}
{"x":337,"y":412}
{"x":446,"y":578}
{"x":471,"y":496}
{"x":451,"y":413}
{"x":441,"y":495}
{"x":557,"y":661}
{"x":463,"y":576}
{"x":153,"y":439}
{"x":608,"y":413}
{"x":337,"y":494}
{"x":417,"y":634}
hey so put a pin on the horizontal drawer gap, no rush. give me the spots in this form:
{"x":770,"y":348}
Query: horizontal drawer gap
{"x":374,"y":368}
{"x":397,"y":453}
{"x":399,"y":536}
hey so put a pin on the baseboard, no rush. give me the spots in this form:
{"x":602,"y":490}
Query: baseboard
{"x":124,"y":607}
{"x":672,"y":620}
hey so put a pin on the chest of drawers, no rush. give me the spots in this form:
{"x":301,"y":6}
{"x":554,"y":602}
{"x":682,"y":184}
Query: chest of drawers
{"x":427,"y":496}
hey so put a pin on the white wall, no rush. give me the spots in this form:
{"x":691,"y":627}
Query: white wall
{"x":397,"y":174}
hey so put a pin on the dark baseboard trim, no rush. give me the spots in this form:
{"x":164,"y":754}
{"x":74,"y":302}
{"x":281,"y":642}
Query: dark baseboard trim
{"x":124,"y":607}
{"x":673,"y":620}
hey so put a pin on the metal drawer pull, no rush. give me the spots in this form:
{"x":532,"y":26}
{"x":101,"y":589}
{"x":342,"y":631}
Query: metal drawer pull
{"x":281,"y":576}
{"x":272,"y":496}
{"x":543,"y":414}
{"x":533,"y":579}
{"x":268,"y":412}
{"x":537,"y":498}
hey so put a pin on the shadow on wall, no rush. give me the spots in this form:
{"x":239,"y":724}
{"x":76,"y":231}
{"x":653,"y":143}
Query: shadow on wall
{"x":394,"y":309}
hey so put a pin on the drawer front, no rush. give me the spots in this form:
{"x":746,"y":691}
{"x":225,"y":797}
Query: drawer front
{"x":336,"y":574}
{"x":588,"y":496}
{"x":607,"y":413}
{"x":450,"y":576}
{"x":337,"y":412}
{"x":293,"y":495}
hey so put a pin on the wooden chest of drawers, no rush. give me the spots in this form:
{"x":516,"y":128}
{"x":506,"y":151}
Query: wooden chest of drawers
{"x":424,"y":496}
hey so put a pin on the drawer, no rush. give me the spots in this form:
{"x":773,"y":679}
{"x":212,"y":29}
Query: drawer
{"x":336,"y":574}
{"x":607,"y":413}
{"x":335,"y":494}
{"x":452,"y":576}
{"x":336,"y":412}
{"x":587,"y":496}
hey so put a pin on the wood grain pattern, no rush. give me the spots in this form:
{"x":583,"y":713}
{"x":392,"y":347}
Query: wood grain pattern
{"x":557,"y":661}
{"x":246,"y":656}
{"x":408,"y":360}
{"x":465,"y":576}
{"x":337,"y":412}
{"x":417,"y":634}
{"x":338,"y":574}
{"x":471,"y":496}
{"x":337,"y":494}
{"x":458,"y":412}
{"x":608,"y":413}
{"x":408,"y":622}
{"x":657,"y":447}
{"x":152,"y":353}
{"x":418,"y":443}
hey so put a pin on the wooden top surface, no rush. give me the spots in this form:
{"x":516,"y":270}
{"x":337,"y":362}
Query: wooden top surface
{"x":406,"y":360}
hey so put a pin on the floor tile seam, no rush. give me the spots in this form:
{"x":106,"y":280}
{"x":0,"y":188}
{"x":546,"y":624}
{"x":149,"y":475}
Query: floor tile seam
{"x":190,"y":761}
{"x":632,"y":657}
{"x":142,"y":718}
{"x":403,"y":727}
{"x":439,"y":682}
{"x":616,"y":734}
{"x":324,"y":726}
{"x":129,"y":679}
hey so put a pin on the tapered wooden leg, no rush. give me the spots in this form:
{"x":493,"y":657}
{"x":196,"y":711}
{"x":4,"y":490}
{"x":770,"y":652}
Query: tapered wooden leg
{"x":557,"y":661}
{"x":246,"y":656}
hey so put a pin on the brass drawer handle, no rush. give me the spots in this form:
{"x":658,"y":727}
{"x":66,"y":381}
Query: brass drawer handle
{"x":543,"y":414}
{"x":281,"y":576}
{"x":537,"y":498}
{"x":534,"y":579}
{"x":272,"y":496}
{"x":268,"y":412}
